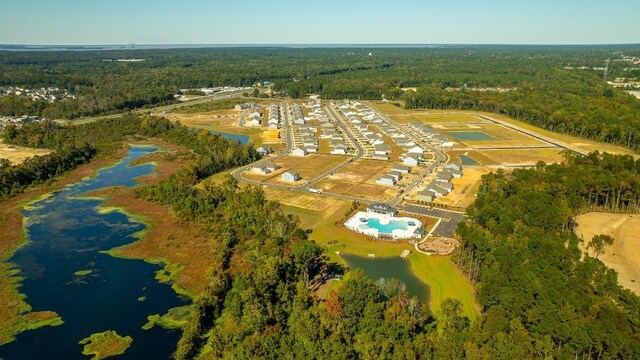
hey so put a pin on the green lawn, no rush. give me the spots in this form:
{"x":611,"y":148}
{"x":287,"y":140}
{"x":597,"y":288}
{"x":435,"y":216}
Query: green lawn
{"x":438,"y":272}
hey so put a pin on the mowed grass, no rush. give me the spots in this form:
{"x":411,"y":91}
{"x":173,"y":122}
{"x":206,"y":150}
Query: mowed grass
{"x":439,"y":273}
{"x":523,"y":156}
{"x":583,"y":144}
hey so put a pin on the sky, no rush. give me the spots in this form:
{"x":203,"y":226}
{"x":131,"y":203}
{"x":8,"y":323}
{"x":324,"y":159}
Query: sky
{"x":93,"y":22}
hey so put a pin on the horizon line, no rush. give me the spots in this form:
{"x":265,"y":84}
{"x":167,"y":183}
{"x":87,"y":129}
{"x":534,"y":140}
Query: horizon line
{"x":321,"y":44}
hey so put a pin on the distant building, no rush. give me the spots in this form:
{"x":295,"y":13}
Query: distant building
{"x":426,"y":195}
{"x":383,"y":209}
{"x":290,"y":176}
{"x":299,"y":152}
{"x":401,"y":169}
{"x":386,"y":180}
{"x":410,"y":161}
{"x":264,"y":150}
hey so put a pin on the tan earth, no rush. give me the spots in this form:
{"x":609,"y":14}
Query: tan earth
{"x":17,"y":154}
{"x":624,"y":255}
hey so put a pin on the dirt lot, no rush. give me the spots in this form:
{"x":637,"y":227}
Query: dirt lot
{"x":17,"y":154}
{"x":464,"y":189}
{"x":359,"y":179}
{"x":309,"y":167}
{"x":624,"y":254}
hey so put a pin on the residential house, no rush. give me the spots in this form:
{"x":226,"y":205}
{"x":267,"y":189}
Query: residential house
{"x":290,"y":176}
{"x":426,"y":195}
{"x":299,"y":152}
{"x":401,"y":169}
{"x":386,"y":180}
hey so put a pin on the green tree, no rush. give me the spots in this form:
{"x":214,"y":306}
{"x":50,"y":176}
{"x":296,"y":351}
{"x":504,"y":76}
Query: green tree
{"x":599,"y":243}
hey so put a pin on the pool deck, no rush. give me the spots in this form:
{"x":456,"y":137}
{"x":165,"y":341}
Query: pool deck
{"x":356,"y":223}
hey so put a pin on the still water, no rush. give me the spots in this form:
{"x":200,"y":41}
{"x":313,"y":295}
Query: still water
{"x":387,"y":268}
{"x":67,"y":233}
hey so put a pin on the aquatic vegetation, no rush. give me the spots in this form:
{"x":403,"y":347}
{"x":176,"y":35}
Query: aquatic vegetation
{"x":105,"y":344}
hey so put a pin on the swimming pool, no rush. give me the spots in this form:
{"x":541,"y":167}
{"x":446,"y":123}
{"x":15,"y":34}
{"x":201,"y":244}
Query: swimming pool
{"x":387,"y":228}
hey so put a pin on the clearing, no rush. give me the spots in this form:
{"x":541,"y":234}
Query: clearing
{"x":17,"y":154}
{"x":359,"y":179}
{"x":624,"y":255}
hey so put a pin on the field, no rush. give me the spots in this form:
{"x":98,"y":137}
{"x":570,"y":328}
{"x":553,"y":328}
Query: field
{"x":309,"y":167}
{"x":582,"y":144}
{"x":442,"y":276}
{"x":624,"y":255}
{"x":359,"y":179}
{"x":522,"y":156}
{"x":17,"y":154}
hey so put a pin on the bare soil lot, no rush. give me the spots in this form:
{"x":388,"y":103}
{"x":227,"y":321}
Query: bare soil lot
{"x":464,"y":189}
{"x":359,"y":179}
{"x":309,"y":167}
{"x":624,"y":255}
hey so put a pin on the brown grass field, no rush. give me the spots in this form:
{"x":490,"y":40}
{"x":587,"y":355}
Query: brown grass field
{"x":17,"y":154}
{"x":309,"y":167}
{"x":624,"y":255}
{"x":359,"y":179}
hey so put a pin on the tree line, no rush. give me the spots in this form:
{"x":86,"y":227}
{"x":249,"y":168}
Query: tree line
{"x":77,"y":144}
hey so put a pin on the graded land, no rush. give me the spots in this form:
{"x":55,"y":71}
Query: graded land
{"x":624,"y":255}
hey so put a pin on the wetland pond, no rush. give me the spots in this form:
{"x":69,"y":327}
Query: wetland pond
{"x":65,"y":270}
{"x":388,"y":268}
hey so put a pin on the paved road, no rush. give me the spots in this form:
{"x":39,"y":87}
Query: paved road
{"x":450,"y":219}
{"x":534,"y":135}
{"x":200,"y":100}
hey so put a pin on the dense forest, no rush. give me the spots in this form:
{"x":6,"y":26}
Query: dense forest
{"x":540,"y":297}
{"x":77,"y":144}
{"x":547,"y":88}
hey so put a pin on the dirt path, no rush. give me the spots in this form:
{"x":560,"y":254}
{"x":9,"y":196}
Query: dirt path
{"x":624,"y":254}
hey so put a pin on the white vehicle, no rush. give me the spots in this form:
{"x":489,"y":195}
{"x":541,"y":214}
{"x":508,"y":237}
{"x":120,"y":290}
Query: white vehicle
{"x":314,"y":190}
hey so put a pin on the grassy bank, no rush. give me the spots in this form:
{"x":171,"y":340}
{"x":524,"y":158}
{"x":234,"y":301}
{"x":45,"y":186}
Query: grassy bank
{"x":440,"y":273}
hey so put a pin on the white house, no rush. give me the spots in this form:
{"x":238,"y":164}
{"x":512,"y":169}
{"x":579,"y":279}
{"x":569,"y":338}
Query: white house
{"x":264,"y":150}
{"x":401,"y":169}
{"x":290,"y":176}
{"x":410,"y":161}
{"x":386,"y":180}
{"x":416,"y":150}
{"x":299,"y":152}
